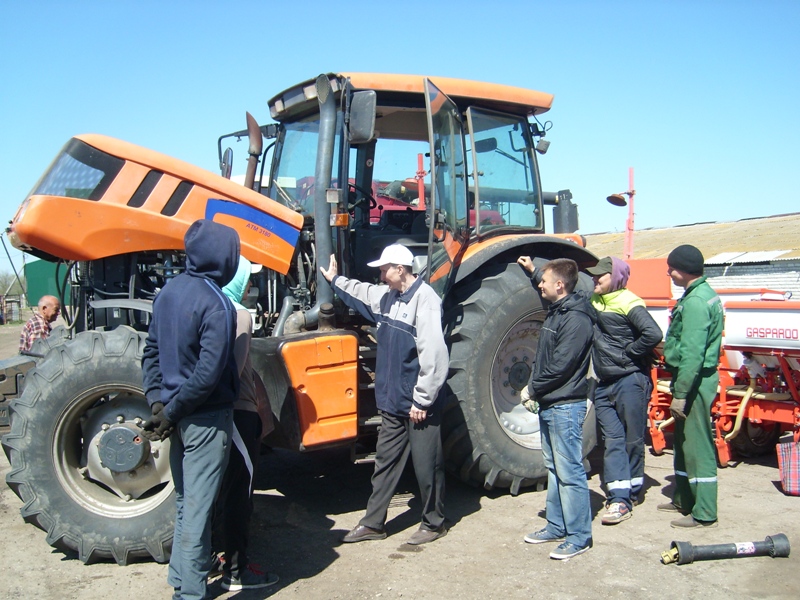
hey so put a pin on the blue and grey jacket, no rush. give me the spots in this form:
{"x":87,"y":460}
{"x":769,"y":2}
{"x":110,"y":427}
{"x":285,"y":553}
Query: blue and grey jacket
{"x":188,"y":362}
{"x":412,"y":359}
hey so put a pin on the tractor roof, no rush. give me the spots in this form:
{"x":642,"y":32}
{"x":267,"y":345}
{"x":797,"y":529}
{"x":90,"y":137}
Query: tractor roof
{"x":300,"y":99}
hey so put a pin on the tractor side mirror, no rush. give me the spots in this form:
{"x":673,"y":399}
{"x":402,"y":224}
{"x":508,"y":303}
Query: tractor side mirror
{"x":227,"y":163}
{"x":362,"y":117}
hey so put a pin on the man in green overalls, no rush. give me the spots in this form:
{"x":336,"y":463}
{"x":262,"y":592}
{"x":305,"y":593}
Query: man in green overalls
{"x":691,"y":351}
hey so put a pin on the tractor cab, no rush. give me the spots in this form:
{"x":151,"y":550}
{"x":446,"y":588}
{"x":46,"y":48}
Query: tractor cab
{"x":456,"y":154}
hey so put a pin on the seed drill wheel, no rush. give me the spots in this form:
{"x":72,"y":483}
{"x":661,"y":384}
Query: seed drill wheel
{"x":756,"y":439}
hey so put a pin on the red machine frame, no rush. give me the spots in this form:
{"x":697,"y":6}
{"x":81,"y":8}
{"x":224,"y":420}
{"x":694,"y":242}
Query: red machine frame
{"x":768,"y":397}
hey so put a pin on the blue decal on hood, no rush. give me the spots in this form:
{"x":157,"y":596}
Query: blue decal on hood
{"x":266,"y":222}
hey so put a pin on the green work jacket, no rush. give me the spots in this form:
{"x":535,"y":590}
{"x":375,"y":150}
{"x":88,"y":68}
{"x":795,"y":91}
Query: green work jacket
{"x":692,"y":343}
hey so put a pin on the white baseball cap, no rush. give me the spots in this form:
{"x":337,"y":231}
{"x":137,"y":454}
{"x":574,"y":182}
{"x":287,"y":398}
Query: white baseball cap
{"x":396,"y":254}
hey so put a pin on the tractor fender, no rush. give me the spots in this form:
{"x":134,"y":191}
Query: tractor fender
{"x":538,"y":245}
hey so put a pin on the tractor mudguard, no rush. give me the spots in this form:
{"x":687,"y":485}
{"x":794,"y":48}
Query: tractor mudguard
{"x":311,"y":381}
{"x":12,"y":378}
{"x":546,"y":246}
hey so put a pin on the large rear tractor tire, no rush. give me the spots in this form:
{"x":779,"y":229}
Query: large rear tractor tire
{"x":78,"y":462}
{"x":489,"y":438}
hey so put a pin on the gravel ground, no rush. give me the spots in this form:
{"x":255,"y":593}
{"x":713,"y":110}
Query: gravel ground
{"x":305,"y":504}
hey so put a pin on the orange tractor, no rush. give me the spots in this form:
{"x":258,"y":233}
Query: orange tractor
{"x":356,"y":162}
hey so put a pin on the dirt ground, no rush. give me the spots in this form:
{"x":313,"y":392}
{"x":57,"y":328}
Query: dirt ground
{"x":304,"y":504}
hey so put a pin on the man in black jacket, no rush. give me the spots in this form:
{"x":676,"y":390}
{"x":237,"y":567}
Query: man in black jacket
{"x":625,"y":338}
{"x":191,"y":382}
{"x":560,"y":388}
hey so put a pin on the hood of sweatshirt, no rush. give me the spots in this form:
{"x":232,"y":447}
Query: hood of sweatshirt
{"x":620,"y":272}
{"x":235,"y":288}
{"x":212,"y":251}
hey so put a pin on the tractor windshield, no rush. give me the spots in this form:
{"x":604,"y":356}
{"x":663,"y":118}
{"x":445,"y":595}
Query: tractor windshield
{"x":292,"y":181}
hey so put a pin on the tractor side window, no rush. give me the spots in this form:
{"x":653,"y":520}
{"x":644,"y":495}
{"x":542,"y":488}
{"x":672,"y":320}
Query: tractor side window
{"x":394,"y":184}
{"x":504,"y":179}
{"x":292,"y":182}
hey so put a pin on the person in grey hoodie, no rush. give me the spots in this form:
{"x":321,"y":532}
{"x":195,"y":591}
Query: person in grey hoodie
{"x":411,"y":368}
{"x":191,"y":382}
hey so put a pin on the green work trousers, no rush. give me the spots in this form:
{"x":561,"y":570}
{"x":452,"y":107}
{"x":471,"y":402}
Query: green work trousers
{"x":695,"y":455}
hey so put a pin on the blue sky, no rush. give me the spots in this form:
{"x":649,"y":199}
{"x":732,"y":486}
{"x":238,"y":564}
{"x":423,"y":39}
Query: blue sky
{"x":700,"y":97}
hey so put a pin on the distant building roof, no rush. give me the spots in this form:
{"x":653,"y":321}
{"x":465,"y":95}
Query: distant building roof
{"x":745,"y":257}
{"x":750,"y":240}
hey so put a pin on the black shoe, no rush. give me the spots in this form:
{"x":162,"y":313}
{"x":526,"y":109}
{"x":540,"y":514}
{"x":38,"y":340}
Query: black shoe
{"x":361,"y":533}
{"x":423,"y":536}
{"x":251,"y":578}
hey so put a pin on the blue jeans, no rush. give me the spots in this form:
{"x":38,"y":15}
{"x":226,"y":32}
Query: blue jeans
{"x":567,"y":509}
{"x":198,"y":456}
{"x":621,"y":408}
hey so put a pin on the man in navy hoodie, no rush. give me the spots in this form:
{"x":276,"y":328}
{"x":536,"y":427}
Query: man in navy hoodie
{"x":191,"y":382}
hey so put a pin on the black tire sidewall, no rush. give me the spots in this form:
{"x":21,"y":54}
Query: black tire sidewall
{"x":507,"y":454}
{"x":482,"y":313}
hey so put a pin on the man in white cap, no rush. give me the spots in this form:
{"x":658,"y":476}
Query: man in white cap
{"x":411,"y":368}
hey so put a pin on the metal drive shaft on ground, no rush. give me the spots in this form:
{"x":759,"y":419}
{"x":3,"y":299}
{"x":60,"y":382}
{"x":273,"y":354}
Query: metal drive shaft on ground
{"x":684,"y":553}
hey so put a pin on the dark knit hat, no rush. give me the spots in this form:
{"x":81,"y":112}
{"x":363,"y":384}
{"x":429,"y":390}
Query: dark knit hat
{"x":686,"y":258}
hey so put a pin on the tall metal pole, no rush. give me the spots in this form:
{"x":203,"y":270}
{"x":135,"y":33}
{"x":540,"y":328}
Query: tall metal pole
{"x":628,"y":250}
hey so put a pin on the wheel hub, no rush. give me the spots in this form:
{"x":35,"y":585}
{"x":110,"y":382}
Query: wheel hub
{"x":519,"y":375}
{"x":123,"y":449}
{"x":511,"y":371}
{"x":116,"y":454}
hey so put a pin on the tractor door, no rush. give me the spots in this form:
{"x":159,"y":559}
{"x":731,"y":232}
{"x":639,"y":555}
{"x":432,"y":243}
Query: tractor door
{"x":447,"y":210}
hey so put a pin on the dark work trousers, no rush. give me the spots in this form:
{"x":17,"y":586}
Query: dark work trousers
{"x":621,"y":408}
{"x":235,"y":502}
{"x":397,"y":437}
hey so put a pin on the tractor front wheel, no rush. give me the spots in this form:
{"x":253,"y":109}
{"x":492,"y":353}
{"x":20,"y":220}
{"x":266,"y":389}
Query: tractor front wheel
{"x":78,"y":460}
